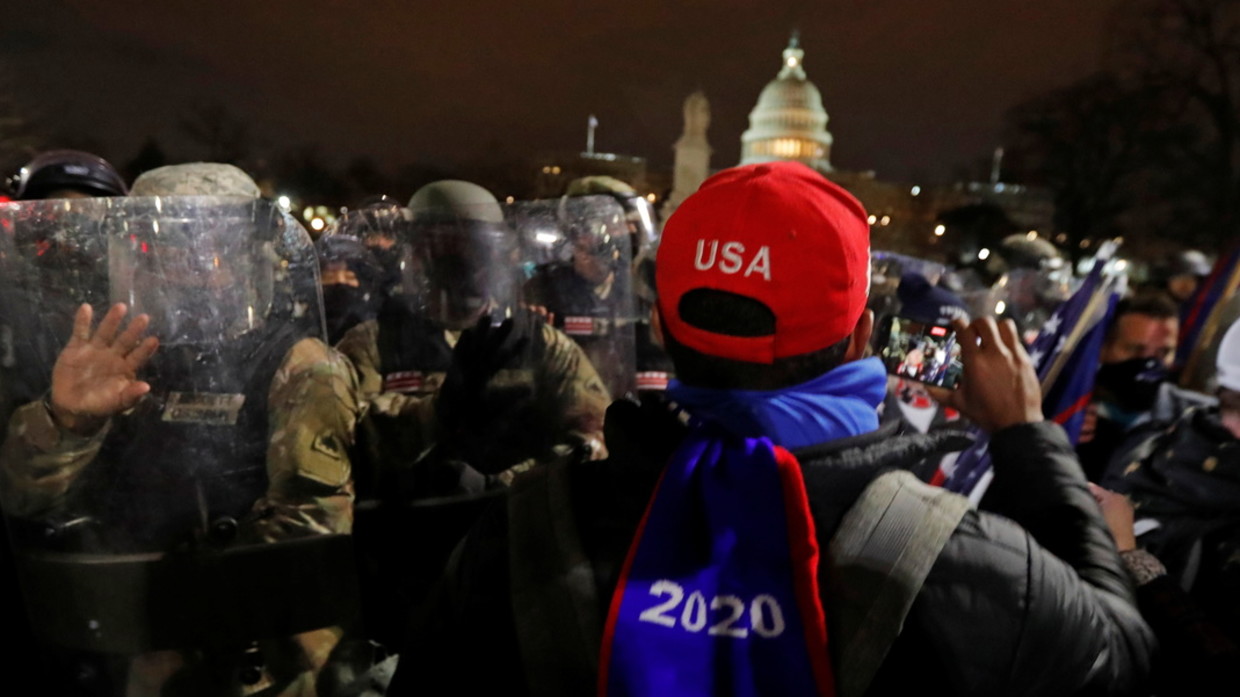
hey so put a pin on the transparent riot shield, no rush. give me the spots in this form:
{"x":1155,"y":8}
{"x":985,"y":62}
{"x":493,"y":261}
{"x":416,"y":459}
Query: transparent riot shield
{"x":1032,"y":295}
{"x":498,"y":411}
{"x":384,"y":228}
{"x":886,"y":269}
{"x":583,"y":280}
{"x":192,"y":497}
{"x":365,"y":260}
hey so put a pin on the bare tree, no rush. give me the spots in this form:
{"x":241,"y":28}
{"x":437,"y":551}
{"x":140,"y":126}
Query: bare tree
{"x":221,"y":135}
{"x":1105,"y":148}
{"x":1191,"y":50}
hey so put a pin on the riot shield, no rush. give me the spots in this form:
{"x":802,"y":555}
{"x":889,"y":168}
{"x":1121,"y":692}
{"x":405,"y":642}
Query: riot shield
{"x":886,"y":269}
{"x":427,"y":488}
{"x":384,"y":228}
{"x":199,"y":518}
{"x":1032,"y":296}
{"x":584,"y":278}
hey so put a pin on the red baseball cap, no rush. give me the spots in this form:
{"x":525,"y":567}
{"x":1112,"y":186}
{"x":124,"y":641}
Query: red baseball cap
{"x":778,"y":233}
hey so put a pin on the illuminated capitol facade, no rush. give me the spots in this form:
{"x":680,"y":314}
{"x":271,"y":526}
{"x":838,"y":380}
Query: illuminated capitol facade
{"x":789,"y":122}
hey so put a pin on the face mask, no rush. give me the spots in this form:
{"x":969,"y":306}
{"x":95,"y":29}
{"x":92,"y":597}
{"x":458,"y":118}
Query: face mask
{"x":345,"y":306}
{"x":1131,"y":385}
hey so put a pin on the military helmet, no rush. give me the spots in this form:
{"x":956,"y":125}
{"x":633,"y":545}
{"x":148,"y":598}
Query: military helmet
{"x":58,"y":170}
{"x":638,"y":213}
{"x":453,"y":199}
{"x":196,"y":179}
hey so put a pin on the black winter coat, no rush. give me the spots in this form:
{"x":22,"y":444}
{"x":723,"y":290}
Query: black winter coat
{"x":1044,"y":609}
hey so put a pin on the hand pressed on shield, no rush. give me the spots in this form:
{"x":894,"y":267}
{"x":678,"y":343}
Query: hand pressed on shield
{"x":998,"y":387}
{"x":96,"y":374}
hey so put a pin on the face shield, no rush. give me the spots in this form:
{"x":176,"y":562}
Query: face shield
{"x":467,"y":268}
{"x":206,"y":269}
{"x":639,"y":217}
{"x":385,"y":230}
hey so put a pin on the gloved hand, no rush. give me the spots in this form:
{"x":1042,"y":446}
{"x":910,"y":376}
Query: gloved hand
{"x":480,"y":353}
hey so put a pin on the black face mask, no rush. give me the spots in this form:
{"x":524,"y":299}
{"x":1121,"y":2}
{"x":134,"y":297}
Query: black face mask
{"x":1131,"y":385}
{"x":345,"y":307}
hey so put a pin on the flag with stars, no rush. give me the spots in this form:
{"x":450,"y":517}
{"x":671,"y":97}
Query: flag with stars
{"x":1199,"y":321}
{"x":1065,"y":356}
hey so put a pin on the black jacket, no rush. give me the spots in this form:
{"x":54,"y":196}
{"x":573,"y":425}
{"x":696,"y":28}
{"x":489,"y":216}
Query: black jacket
{"x":1042,"y":610}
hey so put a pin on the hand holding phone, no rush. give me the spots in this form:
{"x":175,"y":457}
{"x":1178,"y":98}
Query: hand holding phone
{"x":999,"y":385}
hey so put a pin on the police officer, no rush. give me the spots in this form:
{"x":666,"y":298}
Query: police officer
{"x":352,"y":281}
{"x":232,"y":436}
{"x":654,"y":367}
{"x":587,"y":289}
{"x":28,"y":341}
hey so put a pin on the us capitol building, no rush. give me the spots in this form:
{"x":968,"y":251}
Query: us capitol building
{"x":790,"y":122}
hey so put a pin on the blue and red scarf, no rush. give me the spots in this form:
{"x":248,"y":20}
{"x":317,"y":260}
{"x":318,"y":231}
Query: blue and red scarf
{"x":719,"y":592}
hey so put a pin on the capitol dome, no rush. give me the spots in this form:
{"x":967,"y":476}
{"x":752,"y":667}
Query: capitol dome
{"x":789,"y":121}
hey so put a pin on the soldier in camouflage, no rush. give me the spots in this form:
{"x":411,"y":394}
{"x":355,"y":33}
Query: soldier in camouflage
{"x":250,"y":419}
{"x":550,"y":400}
{"x":457,"y":404}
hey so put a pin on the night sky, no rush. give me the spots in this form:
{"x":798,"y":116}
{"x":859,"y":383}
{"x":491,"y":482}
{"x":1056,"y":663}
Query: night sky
{"x":914,"y":88}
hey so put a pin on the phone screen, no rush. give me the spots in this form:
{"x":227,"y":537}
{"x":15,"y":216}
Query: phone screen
{"x":927,"y":353}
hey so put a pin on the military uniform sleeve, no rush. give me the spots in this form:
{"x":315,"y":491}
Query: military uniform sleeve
{"x":314,"y":408}
{"x":568,"y":376}
{"x":361,"y":346}
{"x":40,"y":461}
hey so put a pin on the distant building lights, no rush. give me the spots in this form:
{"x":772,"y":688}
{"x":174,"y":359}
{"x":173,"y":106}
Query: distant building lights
{"x":939,"y":230}
{"x":915,"y":191}
{"x":317,"y":224}
{"x":873,"y":219}
{"x":652,"y":197}
{"x":984,"y":254}
{"x":510,"y":199}
{"x":885,"y":220}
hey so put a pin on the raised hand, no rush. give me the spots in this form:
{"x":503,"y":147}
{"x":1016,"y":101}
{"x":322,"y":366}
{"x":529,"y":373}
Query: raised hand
{"x":96,"y":374}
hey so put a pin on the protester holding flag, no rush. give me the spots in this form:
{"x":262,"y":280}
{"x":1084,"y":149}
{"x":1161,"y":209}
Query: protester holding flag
{"x":757,"y":542}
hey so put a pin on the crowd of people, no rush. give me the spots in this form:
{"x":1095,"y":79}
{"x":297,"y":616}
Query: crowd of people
{"x":455,"y":445}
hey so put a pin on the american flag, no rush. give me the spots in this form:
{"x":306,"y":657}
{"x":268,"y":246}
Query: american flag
{"x":1199,"y":323}
{"x":1065,"y":355}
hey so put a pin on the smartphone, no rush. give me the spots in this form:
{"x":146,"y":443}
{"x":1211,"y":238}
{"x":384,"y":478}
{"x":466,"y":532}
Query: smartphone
{"x":918,"y":351}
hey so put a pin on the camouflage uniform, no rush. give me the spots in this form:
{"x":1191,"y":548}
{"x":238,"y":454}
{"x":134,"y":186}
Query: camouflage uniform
{"x":306,"y":398}
{"x":558,"y":376}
